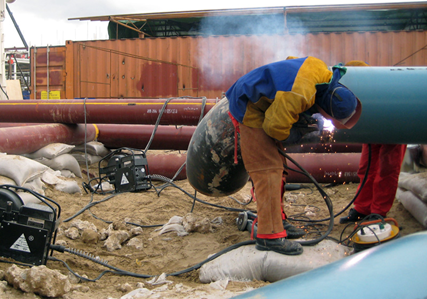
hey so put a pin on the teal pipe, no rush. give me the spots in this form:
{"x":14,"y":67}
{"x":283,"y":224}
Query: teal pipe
{"x":394,"y":105}
{"x":396,"y":269}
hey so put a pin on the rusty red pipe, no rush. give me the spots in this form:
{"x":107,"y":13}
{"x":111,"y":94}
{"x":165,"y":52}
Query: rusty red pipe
{"x":179,"y":111}
{"x":28,"y":139}
{"x":9,"y":125}
{"x":325,"y":168}
{"x":170,"y":137}
{"x":138,"y":136}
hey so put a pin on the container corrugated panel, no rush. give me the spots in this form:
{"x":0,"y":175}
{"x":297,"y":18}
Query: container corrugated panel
{"x":133,"y":69}
{"x":208,"y":66}
{"x":49,"y":63}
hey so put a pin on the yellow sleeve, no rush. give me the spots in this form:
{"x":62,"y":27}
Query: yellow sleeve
{"x":287,"y":105}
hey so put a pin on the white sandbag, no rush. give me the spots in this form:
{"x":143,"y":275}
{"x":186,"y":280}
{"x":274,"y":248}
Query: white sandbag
{"x":6,"y":181}
{"x":28,"y":197}
{"x":67,"y":173}
{"x":51,"y":151}
{"x":51,"y":177}
{"x":35,"y":185}
{"x":70,"y":187}
{"x":416,"y":183}
{"x":413,"y":204}
{"x":65,"y":161}
{"x":94,"y":148}
{"x":54,"y":178}
{"x":20,"y":169}
{"x":247,"y":263}
{"x":81,"y":158}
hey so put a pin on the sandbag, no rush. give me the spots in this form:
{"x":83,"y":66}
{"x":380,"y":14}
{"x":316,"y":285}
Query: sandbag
{"x":67,"y":173}
{"x":70,"y":187}
{"x":20,"y":169}
{"x":65,"y":161}
{"x":28,"y":197}
{"x":35,"y":185}
{"x":51,"y":151}
{"x":247,"y":263}
{"x":6,"y":181}
{"x":94,"y":148}
{"x":416,"y":183}
{"x":53,"y":178}
{"x":81,"y":158}
{"x":413,"y":204}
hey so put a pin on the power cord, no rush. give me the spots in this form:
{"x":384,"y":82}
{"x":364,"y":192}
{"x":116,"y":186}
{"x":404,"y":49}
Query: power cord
{"x":128,"y":273}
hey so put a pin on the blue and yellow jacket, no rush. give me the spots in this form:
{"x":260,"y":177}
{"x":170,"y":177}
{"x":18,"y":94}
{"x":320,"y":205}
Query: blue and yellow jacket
{"x":272,"y":96}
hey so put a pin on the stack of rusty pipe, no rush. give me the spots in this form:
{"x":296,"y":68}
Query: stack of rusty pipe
{"x":394,"y":109}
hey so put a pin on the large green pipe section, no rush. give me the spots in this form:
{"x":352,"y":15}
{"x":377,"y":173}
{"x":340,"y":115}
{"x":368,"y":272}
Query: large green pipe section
{"x":394,"y":105}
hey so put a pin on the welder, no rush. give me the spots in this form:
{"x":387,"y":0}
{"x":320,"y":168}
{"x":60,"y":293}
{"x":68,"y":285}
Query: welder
{"x":272,"y":107}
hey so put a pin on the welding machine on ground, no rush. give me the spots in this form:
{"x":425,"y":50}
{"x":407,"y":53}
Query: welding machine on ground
{"x":26,"y":230}
{"x":127,"y":170}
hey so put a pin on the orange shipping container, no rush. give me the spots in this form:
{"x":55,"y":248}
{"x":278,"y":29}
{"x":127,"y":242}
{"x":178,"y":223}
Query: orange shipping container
{"x":201,"y":66}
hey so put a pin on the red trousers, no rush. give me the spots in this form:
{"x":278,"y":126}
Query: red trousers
{"x":378,"y":193}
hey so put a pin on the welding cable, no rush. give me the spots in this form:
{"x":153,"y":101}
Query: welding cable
{"x":51,"y":258}
{"x":202,"y":109}
{"x":94,"y":203}
{"x":118,"y":271}
{"x":89,"y":205}
{"x":200,"y":200}
{"x":162,"y":110}
{"x":325,"y":197}
{"x":155,"y":177}
{"x":350,"y":203}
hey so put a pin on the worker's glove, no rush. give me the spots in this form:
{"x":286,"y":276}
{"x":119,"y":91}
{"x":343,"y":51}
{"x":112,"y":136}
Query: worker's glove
{"x":305,"y":126}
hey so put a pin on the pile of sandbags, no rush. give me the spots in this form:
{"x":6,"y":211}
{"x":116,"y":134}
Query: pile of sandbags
{"x":412,"y":193}
{"x":93,"y":152}
{"x":53,"y":164}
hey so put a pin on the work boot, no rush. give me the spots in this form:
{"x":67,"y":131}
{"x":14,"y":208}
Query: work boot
{"x":293,"y":231}
{"x":353,"y":216}
{"x":281,"y":245}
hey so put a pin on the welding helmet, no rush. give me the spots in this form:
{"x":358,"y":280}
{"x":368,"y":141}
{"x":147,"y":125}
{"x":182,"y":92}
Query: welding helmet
{"x":338,"y":103}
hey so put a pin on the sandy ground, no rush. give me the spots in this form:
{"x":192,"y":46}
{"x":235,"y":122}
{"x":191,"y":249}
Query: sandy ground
{"x":169,"y":253}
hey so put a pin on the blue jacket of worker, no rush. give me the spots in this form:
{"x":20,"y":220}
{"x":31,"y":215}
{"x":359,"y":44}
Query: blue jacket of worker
{"x":272,"y":96}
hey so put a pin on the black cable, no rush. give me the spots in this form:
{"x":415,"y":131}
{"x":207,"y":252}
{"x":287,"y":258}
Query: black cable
{"x":128,"y":273}
{"x":325,"y":197}
{"x":204,"y":202}
{"x":1,"y":87}
{"x":354,"y":198}
{"x":20,"y":70}
{"x":89,"y":205}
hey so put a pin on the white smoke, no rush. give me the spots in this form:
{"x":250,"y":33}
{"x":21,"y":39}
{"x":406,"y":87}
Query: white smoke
{"x":237,"y":38}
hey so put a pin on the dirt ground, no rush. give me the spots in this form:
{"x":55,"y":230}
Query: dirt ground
{"x":169,"y":253}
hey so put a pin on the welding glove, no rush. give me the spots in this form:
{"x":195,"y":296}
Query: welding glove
{"x":305,"y":125}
